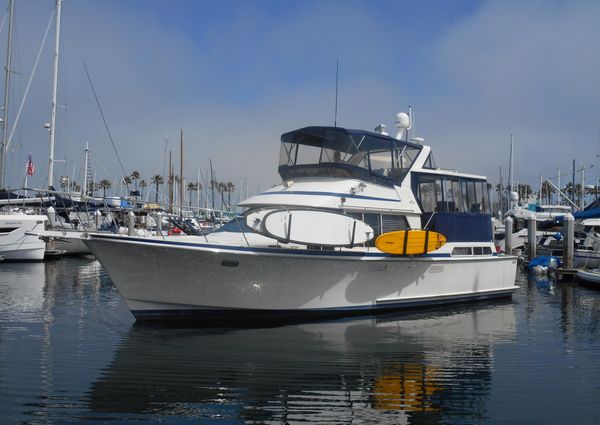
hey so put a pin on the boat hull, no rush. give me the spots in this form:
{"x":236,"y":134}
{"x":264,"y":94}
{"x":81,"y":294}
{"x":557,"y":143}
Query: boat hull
{"x":589,"y":276}
{"x":17,"y":244}
{"x":162,"y":279}
{"x":586,"y":259}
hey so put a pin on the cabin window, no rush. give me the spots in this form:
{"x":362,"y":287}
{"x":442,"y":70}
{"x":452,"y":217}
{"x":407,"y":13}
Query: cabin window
{"x":306,"y":154}
{"x":427,"y":195}
{"x":373,"y":220}
{"x":381,"y":223}
{"x":457,"y":196}
{"x":7,"y":229}
{"x":326,"y":151}
{"x":429,"y":162}
{"x":462,"y":250}
{"x":452,"y":194}
{"x":381,"y":162}
{"x":390,"y":223}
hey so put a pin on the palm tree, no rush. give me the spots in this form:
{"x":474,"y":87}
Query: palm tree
{"x":143,"y":185}
{"x":547,"y":191}
{"x":221,"y":188}
{"x":157,"y":179}
{"x":230,"y":188}
{"x":191,"y":187}
{"x":135,"y":175}
{"x":104,"y":184}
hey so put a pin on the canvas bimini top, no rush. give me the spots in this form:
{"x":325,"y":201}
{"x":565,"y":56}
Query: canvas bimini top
{"x":340,"y":152}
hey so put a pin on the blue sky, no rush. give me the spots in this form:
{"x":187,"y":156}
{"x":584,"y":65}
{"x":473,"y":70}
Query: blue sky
{"x":234,"y":75}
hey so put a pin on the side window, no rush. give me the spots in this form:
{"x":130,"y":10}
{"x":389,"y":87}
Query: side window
{"x":427,"y":195}
{"x":429,"y":162}
{"x":471,"y":196}
{"x":439,"y":199}
{"x":389,"y":223}
{"x":486,"y":206}
{"x":462,"y":251}
{"x":459,"y":198}
{"x":381,"y":162}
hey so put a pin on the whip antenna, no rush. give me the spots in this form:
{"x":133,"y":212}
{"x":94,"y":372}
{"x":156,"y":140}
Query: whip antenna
{"x":337,"y":72}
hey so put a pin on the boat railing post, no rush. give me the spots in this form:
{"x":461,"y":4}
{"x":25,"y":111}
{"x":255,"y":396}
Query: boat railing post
{"x":158,"y":222}
{"x":508,"y":235}
{"x":569,"y":236}
{"x":97,"y":219}
{"x":130,"y":223}
{"x":531,"y":238}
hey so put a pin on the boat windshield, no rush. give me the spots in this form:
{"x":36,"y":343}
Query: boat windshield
{"x":338,"y":152}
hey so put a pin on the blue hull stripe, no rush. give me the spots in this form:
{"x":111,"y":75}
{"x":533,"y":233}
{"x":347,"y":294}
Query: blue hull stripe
{"x":241,"y":314}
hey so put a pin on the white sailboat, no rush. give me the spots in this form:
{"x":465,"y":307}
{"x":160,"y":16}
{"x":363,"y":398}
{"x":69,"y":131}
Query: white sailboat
{"x":15,"y":242}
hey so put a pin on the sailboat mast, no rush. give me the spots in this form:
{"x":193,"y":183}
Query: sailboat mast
{"x":510,"y":166}
{"x":54,"y":93}
{"x":87,"y":167}
{"x":11,"y":12}
{"x":181,"y":173}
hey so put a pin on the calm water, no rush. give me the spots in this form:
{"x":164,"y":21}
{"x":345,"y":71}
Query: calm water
{"x":69,"y":353}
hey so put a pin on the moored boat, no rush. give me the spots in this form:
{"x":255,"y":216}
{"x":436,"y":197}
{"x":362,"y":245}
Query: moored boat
{"x":15,"y":242}
{"x":352,"y":186}
{"x":589,"y":276}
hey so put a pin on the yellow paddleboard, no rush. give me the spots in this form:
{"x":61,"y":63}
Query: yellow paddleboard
{"x":410,"y":242}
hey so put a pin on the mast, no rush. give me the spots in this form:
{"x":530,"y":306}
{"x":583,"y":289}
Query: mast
{"x":181,"y":173}
{"x":212,"y":186}
{"x":510,"y":166}
{"x":171,"y":181}
{"x":86,"y":169}
{"x":52,"y":128}
{"x":11,"y":11}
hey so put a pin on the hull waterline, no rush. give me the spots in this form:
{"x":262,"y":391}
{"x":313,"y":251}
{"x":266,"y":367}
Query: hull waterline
{"x":173,"y":280}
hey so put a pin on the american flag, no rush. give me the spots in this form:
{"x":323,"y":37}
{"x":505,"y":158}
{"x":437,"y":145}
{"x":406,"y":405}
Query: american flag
{"x":30,"y":169}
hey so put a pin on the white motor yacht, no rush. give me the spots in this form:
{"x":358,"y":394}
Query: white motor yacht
{"x":308,"y":246}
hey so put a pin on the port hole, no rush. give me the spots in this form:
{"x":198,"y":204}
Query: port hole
{"x":230,"y":263}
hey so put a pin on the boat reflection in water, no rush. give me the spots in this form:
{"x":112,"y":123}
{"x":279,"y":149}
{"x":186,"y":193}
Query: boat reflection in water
{"x":431,"y":366}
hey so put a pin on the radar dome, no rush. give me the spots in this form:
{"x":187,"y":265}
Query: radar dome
{"x":402,"y":120}
{"x":514,"y":196}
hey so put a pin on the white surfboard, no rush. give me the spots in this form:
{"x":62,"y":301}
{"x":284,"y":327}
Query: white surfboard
{"x":313,"y":227}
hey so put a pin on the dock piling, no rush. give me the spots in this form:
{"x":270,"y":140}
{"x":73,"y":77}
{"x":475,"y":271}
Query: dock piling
{"x":508,"y":235}
{"x":531,"y":238}
{"x":568,"y":241}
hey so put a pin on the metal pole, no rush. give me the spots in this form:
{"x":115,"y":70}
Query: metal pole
{"x":54,"y":94}
{"x":130,"y":223}
{"x":569,"y":236}
{"x":7,"y":70}
{"x":181,"y":173}
{"x":508,"y":235}
{"x":531,"y":238}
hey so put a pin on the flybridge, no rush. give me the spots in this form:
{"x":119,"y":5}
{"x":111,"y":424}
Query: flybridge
{"x":340,"y":152}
